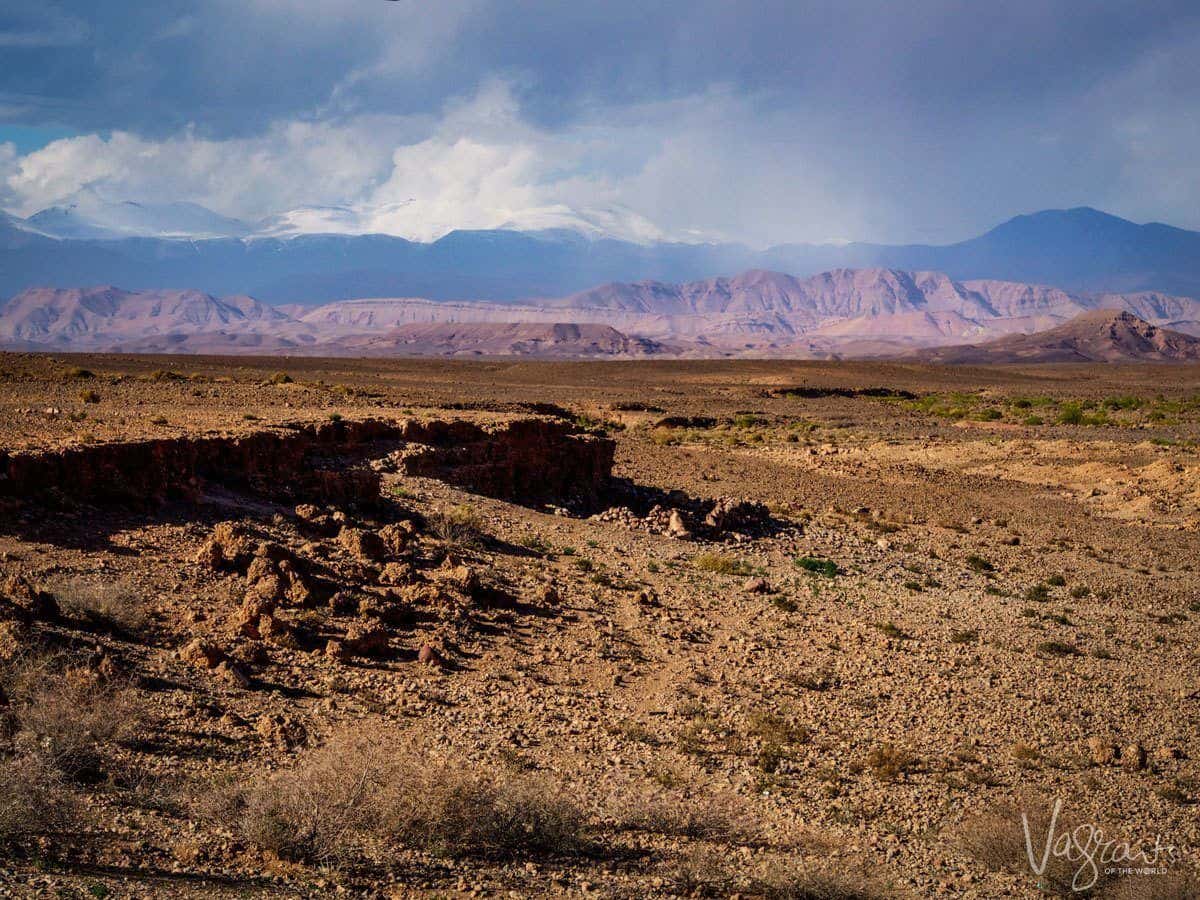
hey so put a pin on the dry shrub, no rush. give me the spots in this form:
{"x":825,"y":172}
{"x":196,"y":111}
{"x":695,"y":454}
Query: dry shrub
{"x":458,"y":527}
{"x":112,"y":606}
{"x":34,"y":798}
{"x":706,"y":872}
{"x":701,"y":872}
{"x":450,"y":811}
{"x":888,"y":762}
{"x":1171,"y":886}
{"x":789,"y":881}
{"x":997,"y":839}
{"x":369,"y":789}
{"x":320,"y":809}
{"x":720,"y":564}
{"x":708,"y":817}
{"x":69,"y":716}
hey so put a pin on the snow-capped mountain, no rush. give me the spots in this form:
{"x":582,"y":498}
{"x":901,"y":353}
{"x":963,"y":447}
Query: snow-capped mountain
{"x":409,"y":219}
{"x":87,"y":214}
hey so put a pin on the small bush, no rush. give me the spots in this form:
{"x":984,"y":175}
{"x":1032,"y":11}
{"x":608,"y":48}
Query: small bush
{"x":34,"y":798}
{"x":1070,"y":414}
{"x":450,"y":811}
{"x":1058,"y":648}
{"x":365,"y":788}
{"x":89,"y":397}
{"x":705,"y":817}
{"x":1056,"y":581}
{"x":1171,"y":886}
{"x":979,"y":564}
{"x":892,"y":630}
{"x":111,"y":606}
{"x":1037,"y":593}
{"x":720,"y":564}
{"x":69,"y":716}
{"x":825,"y":567}
{"x":785,"y":881}
{"x":888,"y":762}
{"x":320,"y":809}
{"x":457,"y":527}
{"x":997,"y":840}
{"x":281,"y":378}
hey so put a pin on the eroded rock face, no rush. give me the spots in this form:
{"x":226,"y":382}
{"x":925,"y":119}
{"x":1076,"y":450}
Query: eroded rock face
{"x":528,"y":460}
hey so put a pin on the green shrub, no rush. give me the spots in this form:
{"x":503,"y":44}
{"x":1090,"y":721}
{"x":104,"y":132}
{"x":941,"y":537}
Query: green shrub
{"x":825,"y":567}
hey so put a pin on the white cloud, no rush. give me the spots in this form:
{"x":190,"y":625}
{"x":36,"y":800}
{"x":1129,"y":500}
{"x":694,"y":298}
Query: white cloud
{"x":713,"y":165}
{"x":479,"y":166}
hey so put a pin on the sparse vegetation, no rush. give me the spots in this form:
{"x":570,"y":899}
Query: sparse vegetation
{"x":458,"y":527}
{"x":824,"y":567}
{"x":111,"y":606}
{"x":68,"y":715}
{"x":979,"y":564}
{"x":362,"y":788}
{"x":720,"y":564}
{"x":889,"y":762}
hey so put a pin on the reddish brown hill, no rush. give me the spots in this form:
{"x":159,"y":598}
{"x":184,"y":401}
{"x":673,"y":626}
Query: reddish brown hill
{"x":1103,"y":335}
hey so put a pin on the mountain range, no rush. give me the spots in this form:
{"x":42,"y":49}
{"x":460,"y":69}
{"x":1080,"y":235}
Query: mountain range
{"x":166,"y":246}
{"x":843,"y":312}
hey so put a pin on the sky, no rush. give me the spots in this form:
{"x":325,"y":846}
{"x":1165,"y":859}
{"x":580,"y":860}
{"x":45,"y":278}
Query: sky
{"x":761,"y":122}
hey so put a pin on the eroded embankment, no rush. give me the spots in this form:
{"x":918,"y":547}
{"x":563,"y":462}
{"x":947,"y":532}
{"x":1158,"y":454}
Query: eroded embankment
{"x":528,"y":460}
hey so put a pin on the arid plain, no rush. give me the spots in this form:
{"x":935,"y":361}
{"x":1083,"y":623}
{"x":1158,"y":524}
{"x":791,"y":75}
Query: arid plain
{"x":617,"y":629}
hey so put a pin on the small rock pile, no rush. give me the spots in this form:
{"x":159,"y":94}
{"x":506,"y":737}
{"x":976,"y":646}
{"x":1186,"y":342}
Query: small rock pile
{"x":723,"y":518}
{"x":343,"y":594}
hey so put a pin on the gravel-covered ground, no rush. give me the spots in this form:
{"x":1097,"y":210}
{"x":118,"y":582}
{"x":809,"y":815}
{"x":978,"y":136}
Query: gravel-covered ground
{"x":952,"y":595}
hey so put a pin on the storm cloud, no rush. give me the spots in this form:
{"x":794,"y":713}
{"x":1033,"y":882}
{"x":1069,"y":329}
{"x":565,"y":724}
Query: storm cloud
{"x":764,"y":122}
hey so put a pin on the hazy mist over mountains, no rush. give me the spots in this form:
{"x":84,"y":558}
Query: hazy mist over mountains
{"x":1079,"y":249}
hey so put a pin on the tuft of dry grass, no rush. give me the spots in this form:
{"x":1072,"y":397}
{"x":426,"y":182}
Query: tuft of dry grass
{"x":997,"y":839}
{"x":458,"y":527}
{"x":705,"y":817}
{"x":457,"y":812}
{"x":888,"y":762}
{"x":720,"y":564}
{"x":111,"y":606}
{"x":1171,"y":886}
{"x":789,"y":881}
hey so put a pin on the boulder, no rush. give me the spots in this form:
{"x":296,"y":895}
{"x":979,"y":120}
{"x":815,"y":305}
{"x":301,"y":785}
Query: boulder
{"x":429,"y":656}
{"x":397,"y":536}
{"x":677,"y":527}
{"x":201,"y":654}
{"x":363,"y":545}
{"x":282,"y":731}
{"x":366,"y":639}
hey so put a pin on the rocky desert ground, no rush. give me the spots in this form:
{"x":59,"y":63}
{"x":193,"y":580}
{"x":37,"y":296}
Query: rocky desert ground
{"x":614,"y":629}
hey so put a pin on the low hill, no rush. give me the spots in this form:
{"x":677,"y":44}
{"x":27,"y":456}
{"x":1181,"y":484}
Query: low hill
{"x":566,"y":339}
{"x":1103,"y":335}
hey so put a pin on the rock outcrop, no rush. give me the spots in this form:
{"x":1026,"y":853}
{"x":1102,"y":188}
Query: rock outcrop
{"x":527,"y":460}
